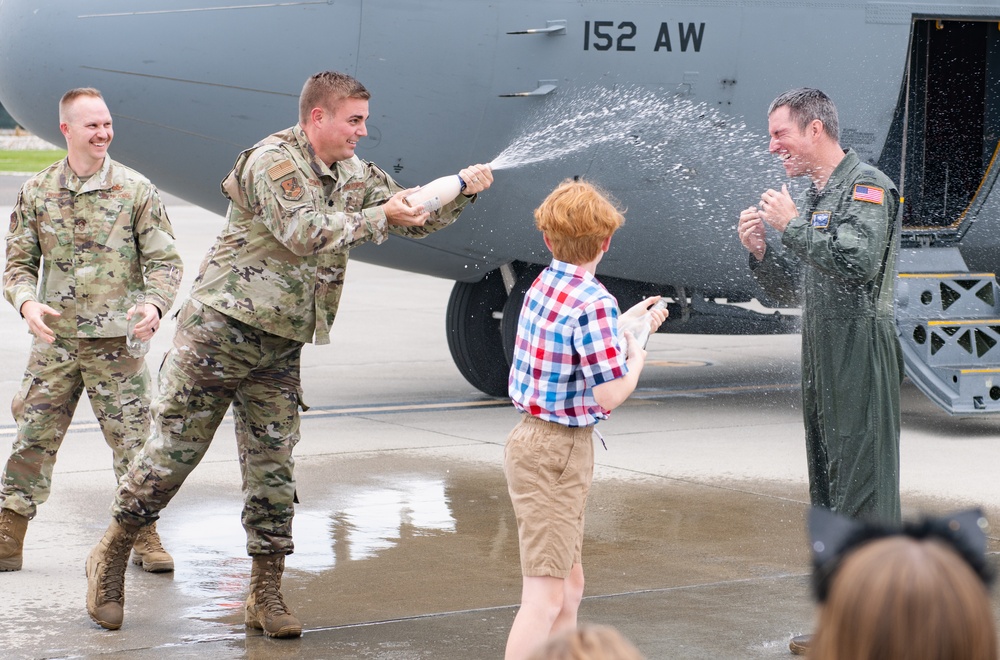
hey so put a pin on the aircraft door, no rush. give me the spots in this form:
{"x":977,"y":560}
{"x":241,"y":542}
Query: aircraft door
{"x":952,"y":123}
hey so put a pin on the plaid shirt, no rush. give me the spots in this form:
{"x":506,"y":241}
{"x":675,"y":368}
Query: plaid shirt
{"x":566,"y":344}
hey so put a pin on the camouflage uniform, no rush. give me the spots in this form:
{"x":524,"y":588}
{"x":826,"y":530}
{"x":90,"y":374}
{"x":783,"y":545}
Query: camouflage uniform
{"x":271,"y":282}
{"x":844,"y":243}
{"x":97,"y":243}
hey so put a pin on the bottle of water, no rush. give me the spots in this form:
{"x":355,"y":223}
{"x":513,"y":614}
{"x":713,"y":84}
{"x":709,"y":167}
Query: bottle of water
{"x":639,"y":327}
{"x":136,"y":347}
{"x":437,"y":193}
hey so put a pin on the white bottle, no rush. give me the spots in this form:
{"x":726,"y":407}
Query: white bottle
{"x":136,"y":347}
{"x":437,"y":193}
{"x":639,"y":327}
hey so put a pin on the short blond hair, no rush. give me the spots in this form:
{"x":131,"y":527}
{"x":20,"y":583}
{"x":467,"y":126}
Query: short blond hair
{"x":587,"y":642}
{"x":577,"y":217}
{"x":67,"y":100}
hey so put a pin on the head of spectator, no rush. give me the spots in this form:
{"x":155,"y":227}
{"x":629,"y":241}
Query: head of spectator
{"x":85,"y":122}
{"x":915,"y":592}
{"x":587,"y":642}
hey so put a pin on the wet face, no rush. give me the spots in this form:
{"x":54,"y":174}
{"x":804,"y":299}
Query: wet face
{"x":88,"y":131}
{"x":336,"y":131}
{"x":791,"y":144}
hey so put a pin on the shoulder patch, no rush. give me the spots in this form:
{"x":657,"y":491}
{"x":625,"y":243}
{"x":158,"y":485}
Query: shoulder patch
{"x":291,"y":189}
{"x":866,"y":193}
{"x":278,"y":170}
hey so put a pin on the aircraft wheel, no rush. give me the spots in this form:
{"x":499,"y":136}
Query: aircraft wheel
{"x":474,"y":337}
{"x":512,"y":309}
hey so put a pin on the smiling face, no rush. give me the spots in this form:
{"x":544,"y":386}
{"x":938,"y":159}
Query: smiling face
{"x":88,"y":131}
{"x":793,"y":145}
{"x":334,"y":132}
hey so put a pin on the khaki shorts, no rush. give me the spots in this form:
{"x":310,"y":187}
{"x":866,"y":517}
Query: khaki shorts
{"x":549,"y":468}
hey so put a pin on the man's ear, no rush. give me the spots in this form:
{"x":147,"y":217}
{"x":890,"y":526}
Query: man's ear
{"x":606,"y":244}
{"x":316,"y":115}
{"x":548,"y":243}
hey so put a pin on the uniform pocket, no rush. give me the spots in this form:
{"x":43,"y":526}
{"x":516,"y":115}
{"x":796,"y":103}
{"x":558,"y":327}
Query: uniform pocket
{"x":17,"y":405}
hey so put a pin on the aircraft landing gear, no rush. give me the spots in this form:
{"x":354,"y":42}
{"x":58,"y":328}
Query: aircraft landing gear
{"x":474,"y":333}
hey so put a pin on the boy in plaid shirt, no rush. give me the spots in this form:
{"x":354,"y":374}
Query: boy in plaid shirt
{"x":569,"y":371}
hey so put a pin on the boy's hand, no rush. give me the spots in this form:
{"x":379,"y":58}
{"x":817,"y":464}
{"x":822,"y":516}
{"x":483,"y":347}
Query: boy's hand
{"x":657,"y":316}
{"x":636,"y":353}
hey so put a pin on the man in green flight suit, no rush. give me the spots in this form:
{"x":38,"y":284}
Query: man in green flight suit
{"x":839,"y":243}
{"x":299,"y":201}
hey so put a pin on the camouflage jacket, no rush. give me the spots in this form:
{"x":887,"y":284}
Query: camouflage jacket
{"x":279,"y":263}
{"x":97,"y":243}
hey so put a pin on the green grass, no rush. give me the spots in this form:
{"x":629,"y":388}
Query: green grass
{"x":29,"y":161}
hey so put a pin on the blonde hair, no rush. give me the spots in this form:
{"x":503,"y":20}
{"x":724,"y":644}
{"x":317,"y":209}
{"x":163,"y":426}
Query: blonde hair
{"x":588,"y":642}
{"x":72,"y":95}
{"x":900,"y":597}
{"x":327,"y":88}
{"x":577,"y":217}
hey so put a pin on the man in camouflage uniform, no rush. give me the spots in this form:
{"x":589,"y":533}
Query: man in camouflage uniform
{"x":99,"y":234}
{"x":299,"y":200}
{"x":840,"y":244}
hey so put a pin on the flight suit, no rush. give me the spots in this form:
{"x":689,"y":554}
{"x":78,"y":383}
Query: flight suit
{"x":844,"y":244}
{"x":84,"y":248}
{"x":271,"y":282}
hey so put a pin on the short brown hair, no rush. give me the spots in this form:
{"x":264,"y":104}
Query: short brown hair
{"x":325,"y":89}
{"x":805,"y":105}
{"x":72,"y":95}
{"x":577,"y":217}
{"x":901,"y":597}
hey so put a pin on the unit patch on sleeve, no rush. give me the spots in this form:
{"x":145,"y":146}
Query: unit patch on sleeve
{"x":820,"y":219}
{"x":292,"y":190}
{"x":872,"y":194}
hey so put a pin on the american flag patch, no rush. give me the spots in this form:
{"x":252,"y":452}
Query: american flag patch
{"x":871,"y":194}
{"x":281,"y":169}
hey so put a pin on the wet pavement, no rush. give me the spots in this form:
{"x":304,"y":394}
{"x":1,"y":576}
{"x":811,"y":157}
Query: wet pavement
{"x":406,"y":546}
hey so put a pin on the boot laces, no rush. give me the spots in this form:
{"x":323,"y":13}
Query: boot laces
{"x":113,"y":578}
{"x":6,"y":525}
{"x":269,"y":594}
{"x":150,"y":541}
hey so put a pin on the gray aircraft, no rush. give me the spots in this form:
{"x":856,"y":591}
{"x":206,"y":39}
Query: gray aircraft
{"x":662,"y":103}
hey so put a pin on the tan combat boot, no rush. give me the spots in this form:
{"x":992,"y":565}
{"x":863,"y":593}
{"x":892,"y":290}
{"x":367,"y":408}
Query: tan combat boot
{"x":12,"y":529}
{"x":148,"y":552}
{"x":266,"y":608}
{"x":106,"y":566}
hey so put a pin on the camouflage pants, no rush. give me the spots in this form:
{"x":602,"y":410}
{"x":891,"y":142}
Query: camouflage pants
{"x":118,"y":388}
{"x":217,"y":361}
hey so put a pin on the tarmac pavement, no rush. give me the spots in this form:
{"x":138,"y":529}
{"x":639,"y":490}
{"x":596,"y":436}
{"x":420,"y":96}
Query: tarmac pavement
{"x":406,"y":545}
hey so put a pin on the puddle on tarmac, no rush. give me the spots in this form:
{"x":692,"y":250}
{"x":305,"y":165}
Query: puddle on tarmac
{"x":379,"y":538}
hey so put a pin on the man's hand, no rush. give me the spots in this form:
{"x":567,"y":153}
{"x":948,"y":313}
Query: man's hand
{"x":751,"y":231}
{"x":778,"y":208}
{"x":401,"y":214}
{"x":150,"y":322}
{"x":34,"y":313}
{"x":477,"y":178}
